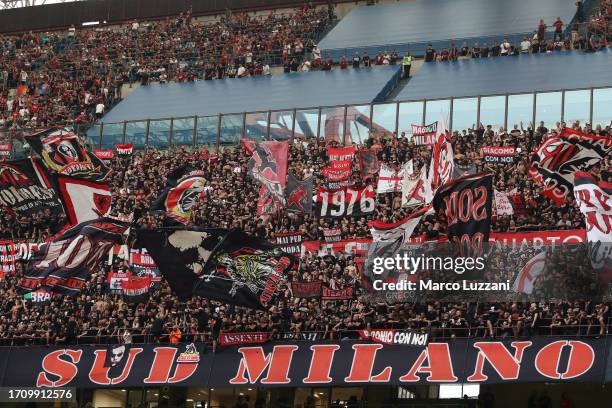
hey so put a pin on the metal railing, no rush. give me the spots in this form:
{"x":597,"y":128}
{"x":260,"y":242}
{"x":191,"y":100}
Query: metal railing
{"x":435,"y":334}
{"x":352,"y":123}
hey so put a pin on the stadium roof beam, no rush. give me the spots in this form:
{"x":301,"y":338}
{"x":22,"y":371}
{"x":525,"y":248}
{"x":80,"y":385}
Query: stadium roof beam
{"x":8,"y":4}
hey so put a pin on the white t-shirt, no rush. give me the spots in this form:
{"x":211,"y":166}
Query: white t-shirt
{"x":100,"y":108}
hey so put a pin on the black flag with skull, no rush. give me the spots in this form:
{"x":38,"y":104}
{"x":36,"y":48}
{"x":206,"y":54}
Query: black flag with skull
{"x":229,"y":266}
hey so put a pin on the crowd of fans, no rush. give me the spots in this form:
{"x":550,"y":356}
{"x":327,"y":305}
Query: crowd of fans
{"x":231,"y":196}
{"x":74,"y":77}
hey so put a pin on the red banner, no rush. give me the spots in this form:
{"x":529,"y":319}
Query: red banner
{"x":104,"y":154}
{"x":236,"y":339}
{"x":306,"y":289}
{"x":338,"y":294}
{"x":338,"y":171}
{"x":7,"y":258}
{"x":124,"y":149}
{"x":336,"y":154}
{"x":5,"y":151}
{"x":394,"y":337}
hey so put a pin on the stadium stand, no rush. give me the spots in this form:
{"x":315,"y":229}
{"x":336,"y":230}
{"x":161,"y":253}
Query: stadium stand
{"x":298,"y":90}
{"x":410,"y":26}
{"x":77,"y":78}
{"x":523,"y":73}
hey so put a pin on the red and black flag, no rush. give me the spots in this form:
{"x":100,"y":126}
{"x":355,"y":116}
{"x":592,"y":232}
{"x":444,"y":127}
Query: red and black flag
{"x":299,"y":194}
{"x":124,"y":149}
{"x":62,"y":153}
{"x":24,"y":189}
{"x":64,"y":264}
{"x":184,"y":188}
{"x":266,"y":203}
{"x":268,"y":165}
{"x":229,"y":266}
{"x":559,"y":158}
{"x":368,"y":163}
{"x":84,"y":200}
{"x":467,"y":205}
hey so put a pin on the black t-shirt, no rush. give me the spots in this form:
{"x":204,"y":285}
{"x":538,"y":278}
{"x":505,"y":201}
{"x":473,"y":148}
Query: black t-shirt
{"x":429,"y":54}
{"x":495,"y":50}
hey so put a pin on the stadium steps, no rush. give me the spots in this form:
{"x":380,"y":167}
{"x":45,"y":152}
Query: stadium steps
{"x":416,"y":65}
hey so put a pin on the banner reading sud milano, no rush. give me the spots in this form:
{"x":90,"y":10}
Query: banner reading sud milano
{"x":307,"y":363}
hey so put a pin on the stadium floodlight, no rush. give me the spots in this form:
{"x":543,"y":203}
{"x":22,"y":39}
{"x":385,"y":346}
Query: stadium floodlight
{"x":9,"y":4}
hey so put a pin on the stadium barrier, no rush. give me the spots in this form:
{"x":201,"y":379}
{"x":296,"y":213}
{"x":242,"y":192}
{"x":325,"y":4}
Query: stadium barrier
{"x":351,"y":123}
{"x":347,"y":123}
{"x":434,"y":334}
{"x":538,"y":359}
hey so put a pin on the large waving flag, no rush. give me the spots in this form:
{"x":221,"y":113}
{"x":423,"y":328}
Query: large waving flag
{"x":390,"y":178}
{"x":268,"y":165}
{"x":558,"y":159}
{"x":525,"y":280}
{"x":62,"y":153}
{"x":64,"y":264}
{"x":595,"y":200}
{"x":84,"y":200}
{"x":185,"y":186}
{"x":229,"y":266}
{"x":389,"y":239}
{"x":443,"y":162}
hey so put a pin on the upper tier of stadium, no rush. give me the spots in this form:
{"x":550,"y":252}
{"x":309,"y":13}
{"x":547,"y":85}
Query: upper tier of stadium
{"x":410,"y":26}
{"x":275,"y":92}
{"x":523,"y":73}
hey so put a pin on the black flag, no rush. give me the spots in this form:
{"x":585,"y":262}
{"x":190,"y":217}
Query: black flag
{"x":467,"y":205}
{"x":181,"y":254}
{"x":64,"y":264}
{"x":229,"y":266}
{"x":184,"y":188}
{"x":62,"y":153}
{"x":23,"y":191}
{"x":299,"y":194}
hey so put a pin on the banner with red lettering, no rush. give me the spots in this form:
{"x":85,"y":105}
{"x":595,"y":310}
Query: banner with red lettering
{"x":338,"y":294}
{"x":297,"y":363}
{"x":347,"y":246}
{"x":499,"y":154}
{"x":332,"y":234}
{"x":236,"y":339}
{"x":466,"y":204}
{"x":306,"y":289}
{"x":5,"y":151}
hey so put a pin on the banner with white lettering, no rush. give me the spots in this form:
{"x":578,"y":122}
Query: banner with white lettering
{"x":425,"y":135}
{"x":499,"y":154}
{"x":394,"y":337}
{"x":289,"y":242}
{"x":345,"y":202}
